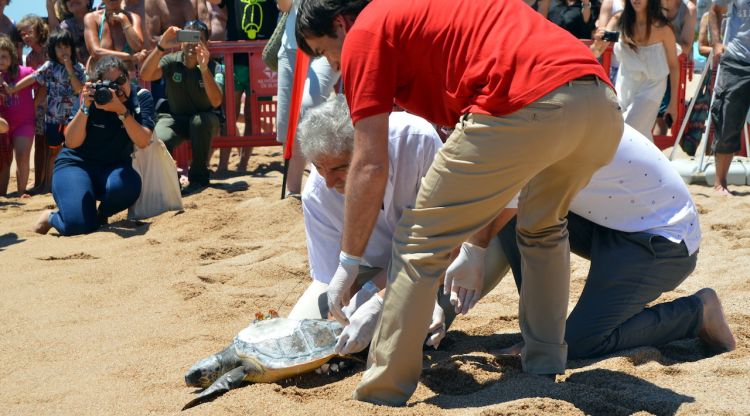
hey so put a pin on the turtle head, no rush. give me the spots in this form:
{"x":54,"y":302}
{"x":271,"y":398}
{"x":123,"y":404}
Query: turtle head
{"x":207,"y":370}
{"x":204,"y":372}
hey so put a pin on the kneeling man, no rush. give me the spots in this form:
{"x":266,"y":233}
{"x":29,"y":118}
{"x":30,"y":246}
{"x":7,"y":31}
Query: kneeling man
{"x":637,"y":224}
{"x":326,"y":138}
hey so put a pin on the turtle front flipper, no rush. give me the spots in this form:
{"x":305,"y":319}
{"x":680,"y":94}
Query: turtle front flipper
{"x":207,"y":370}
{"x":223,"y":384}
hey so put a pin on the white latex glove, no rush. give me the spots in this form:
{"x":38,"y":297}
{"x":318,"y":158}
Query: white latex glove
{"x":338,"y":288}
{"x":356,"y":335}
{"x":465,"y":277}
{"x":363,"y":295}
{"x":436,"y":332}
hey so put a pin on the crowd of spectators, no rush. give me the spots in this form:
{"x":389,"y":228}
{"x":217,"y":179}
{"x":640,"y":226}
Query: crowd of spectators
{"x":52,"y":65}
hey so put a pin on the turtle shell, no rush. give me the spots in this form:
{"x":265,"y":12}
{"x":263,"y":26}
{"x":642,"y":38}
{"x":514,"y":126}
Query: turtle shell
{"x":281,"y":343}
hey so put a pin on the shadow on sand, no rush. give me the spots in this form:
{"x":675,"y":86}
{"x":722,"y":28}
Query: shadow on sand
{"x":8,"y":239}
{"x":467,"y":367}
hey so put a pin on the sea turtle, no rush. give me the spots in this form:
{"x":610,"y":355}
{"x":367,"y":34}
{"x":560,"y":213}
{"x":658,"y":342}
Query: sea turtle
{"x":266,"y":351}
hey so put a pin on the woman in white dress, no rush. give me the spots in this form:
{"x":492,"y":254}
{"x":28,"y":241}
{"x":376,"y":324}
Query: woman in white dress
{"x":647,"y":52}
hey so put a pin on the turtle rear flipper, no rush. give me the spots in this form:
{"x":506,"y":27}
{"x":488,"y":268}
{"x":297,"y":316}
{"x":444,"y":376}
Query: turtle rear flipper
{"x":223,"y":384}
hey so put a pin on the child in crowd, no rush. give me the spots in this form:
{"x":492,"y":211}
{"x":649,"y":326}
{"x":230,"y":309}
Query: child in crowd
{"x":71,"y":14}
{"x":18,"y":111}
{"x":33,"y":31}
{"x":63,"y":76}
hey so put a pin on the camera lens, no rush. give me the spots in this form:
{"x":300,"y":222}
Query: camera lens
{"x":102,"y":95}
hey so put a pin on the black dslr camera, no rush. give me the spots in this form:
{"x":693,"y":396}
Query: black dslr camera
{"x":102,"y":93}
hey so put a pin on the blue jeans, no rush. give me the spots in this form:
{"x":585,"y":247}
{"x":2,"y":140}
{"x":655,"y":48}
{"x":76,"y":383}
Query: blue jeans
{"x":76,"y":188}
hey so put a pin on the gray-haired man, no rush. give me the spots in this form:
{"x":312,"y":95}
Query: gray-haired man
{"x":326,"y":137}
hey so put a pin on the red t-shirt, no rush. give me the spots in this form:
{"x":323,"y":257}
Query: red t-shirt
{"x":440,"y":59}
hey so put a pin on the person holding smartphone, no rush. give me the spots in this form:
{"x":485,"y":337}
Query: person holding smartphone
{"x":194,"y":86}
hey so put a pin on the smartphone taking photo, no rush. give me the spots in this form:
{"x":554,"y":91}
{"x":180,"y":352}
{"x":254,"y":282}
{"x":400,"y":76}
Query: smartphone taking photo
{"x":188,"y":36}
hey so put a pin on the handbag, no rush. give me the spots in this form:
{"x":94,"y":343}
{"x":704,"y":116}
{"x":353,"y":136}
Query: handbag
{"x":160,"y":189}
{"x":271,"y":50}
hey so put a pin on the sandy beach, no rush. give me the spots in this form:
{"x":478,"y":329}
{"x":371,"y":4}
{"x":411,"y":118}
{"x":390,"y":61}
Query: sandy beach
{"x":108,"y":323}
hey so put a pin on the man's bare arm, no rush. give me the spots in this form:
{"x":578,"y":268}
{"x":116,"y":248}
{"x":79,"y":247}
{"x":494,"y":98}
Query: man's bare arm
{"x":685,"y":39}
{"x":365,"y":183}
{"x":715,"y":15}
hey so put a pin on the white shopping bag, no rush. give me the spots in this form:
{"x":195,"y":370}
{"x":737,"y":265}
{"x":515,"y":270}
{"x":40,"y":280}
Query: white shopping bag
{"x":160,"y":190}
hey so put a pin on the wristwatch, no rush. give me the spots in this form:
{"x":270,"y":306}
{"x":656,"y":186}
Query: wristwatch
{"x":123,"y":116}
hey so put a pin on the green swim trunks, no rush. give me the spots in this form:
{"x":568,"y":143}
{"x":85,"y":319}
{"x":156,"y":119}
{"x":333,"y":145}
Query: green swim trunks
{"x":241,"y":79}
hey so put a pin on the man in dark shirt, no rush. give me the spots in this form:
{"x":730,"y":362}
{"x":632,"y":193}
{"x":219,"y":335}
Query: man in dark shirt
{"x":194,"y":91}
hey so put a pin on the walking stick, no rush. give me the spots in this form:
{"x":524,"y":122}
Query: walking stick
{"x":301,"y":65}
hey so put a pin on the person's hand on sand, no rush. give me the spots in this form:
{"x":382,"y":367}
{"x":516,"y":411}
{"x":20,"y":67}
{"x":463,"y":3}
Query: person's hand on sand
{"x":465,"y":277}
{"x":338,"y":288}
{"x":358,"y":334}
{"x":437,"y":329}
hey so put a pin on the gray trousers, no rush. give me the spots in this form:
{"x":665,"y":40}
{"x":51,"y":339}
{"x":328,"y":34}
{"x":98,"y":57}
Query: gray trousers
{"x":628,"y":270}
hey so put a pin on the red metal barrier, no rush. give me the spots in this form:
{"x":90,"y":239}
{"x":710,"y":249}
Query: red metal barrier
{"x":261,"y":113}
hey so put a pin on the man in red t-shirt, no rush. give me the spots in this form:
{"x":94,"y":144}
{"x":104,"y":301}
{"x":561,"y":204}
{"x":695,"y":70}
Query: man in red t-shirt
{"x":533,"y":110}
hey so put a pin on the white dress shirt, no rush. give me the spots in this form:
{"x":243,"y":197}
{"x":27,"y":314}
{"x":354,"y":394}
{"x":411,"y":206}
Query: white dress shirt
{"x":639,"y":191}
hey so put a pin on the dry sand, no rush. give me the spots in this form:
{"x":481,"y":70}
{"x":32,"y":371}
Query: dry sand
{"x":108,"y":323}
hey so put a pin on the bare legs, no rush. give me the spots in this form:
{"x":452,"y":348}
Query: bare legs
{"x":22,"y":150}
{"x":245,"y":152}
{"x":43,"y":225}
{"x":723,"y":160}
{"x":714,"y":330}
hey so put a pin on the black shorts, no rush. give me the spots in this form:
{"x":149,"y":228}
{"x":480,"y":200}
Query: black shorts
{"x":731,"y":104}
{"x":53,"y":134}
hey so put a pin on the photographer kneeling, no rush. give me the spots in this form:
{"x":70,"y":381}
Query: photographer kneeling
{"x":96,"y":163}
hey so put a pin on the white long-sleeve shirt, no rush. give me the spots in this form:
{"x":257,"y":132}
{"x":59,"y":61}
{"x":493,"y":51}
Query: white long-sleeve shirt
{"x":412,"y":145}
{"x":639,"y":191}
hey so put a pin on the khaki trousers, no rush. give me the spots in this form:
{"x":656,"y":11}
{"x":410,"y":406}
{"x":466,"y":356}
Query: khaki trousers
{"x":550,"y":149}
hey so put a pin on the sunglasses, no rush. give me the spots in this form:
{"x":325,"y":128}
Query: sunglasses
{"x":121,"y":80}
{"x":196,"y":24}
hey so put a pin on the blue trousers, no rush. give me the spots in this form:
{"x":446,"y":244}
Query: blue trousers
{"x":76,"y":188}
{"x":628,"y":271}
